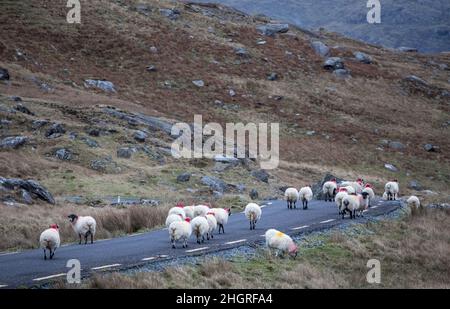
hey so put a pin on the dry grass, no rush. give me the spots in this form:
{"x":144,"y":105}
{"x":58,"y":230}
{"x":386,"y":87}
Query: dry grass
{"x":414,"y":253}
{"x":20,"y":227}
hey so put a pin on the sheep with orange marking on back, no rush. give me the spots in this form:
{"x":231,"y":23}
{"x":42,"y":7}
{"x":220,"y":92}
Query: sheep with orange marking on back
{"x":281,"y":243}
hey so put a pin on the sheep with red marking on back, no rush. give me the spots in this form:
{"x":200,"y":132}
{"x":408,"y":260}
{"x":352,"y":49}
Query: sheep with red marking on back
{"x":221,"y":215}
{"x":177,"y":210}
{"x":50,"y":240}
{"x":173,"y":218}
{"x":369,"y":190}
{"x":329,"y":189}
{"x":200,"y":228}
{"x":180,"y":231}
{"x":342,"y":192}
{"x":212,"y":222}
{"x":201,"y":210}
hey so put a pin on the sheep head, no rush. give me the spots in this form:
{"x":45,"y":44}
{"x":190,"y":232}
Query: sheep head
{"x":72,"y":218}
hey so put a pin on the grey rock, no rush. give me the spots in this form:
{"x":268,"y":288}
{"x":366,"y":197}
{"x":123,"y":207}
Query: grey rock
{"x":333,"y":63}
{"x":240,"y":187}
{"x":63,"y":154}
{"x":143,"y":9}
{"x":253,"y":194}
{"x":37,"y":124}
{"x":90,"y":142}
{"x":362,"y":57}
{"x":151,"y":68}
{"x":415,"y":185}
{"x":431,"y":148}
{"x":172,"y":14}
{"x":4,"y":123}
{"x":272,"y":76}
{"x":261,"y":175}
{"x":27,"y":197}
{"x":310,"y":133}
{"x":320,"y":48}
{"x":396,"y":145}
{"x":198,"y":83}
{"x":217,"y":194}
{"x":215,"y":184}
{"x":221,"y":167}
{"x":272,"y":29}
{"x":4,"y":74}
{"x":225,"y":159}
{"x":232,"y":93}
{"x":184,"y":177}
{"x":153,"y":49}
{"x":342,"y":73}
{"x":406,"y":49}
{"x":104,"y":85}
{"x":16,"y":98}
{"x":13,"y":142}
{"x":317,"y":187}
{"x":23,"y":109}
{"x":390,"y":167}
{"x":56,"y":128}
{"x":32,"y":186}
{"x":125,"y":152}
{"x":93,"y":131}
{"x":140,"y":136}
{"x":240,"y":51}
{"x":105,"y":165}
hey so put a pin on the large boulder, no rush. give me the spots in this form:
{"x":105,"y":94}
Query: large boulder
{"x":104,"y":85}
{"x":31,"y":186}
{"x":13,"y":142}
{"x":320,"y":48}
{"x":215,"y":184}
{"x":261,"y":175}
{"x":272,"y":29}
{"x":317,"y":187}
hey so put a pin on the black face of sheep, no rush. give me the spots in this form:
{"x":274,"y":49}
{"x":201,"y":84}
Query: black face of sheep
{"x":72,"y":218}
{"x":365,"y":195}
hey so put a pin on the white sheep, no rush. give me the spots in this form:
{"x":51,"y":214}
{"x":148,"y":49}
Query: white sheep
{"x":305,"y":195}
{"x":385,"y":196}
{"x":350,"y":189}
{"x":180,"y":230}
{"x":212,"y":222}
{"x":221,"y":215}
{"x":189,"y":211}
{"x":253,"y":213}
{"x":363,"y":203}
{"x":369,"y":189}
{"x":173,"y":218}
{"x":177,"y":210}
{"x":329,"y":190}
{"x":339,"y":196}
{"x":280,"y":242}
{"x":356,"y":185}
{"x":413,"y":202}
{"x":291,"y":195}
{"x":391,"y":188}
{"x":83,"y":226}
{"x":350,"y":203}
{"x":200,"y":228}
{"x":50,"y":240}
{"x":201,"y":210}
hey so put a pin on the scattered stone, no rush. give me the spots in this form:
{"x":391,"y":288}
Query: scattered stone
{"x":4,"y":74}
{"x":37,"y":124}
{"x":90,"y":142}
{"x":27,"y":197}
{"x":151,"y":68}
{"x":221,"y":167}
{"x":13,"y":142}
{"x":140,"y":136}
{"x":333,"y":63}
{"x":408,"y":49}
{"x":390,"y":167}
{"x":272,"y":29}
{"x":320,"y":48}
{"x":431,"y":148}
{"x":215,"y":183}
{"x":310,"y":133}
{"x":253,"y":194}
{"x":272,"y":76}
{"x":106,"y":165}
{"x":232,"y":93}
{"x":342,"y":73}
{"x":56,"y":130}
{"x":143,"y":9}
{"x":4,"y":123}
{"x":172,"y":14}
{"x":125,"y":152}
{"x":63,"y":154}
{"x":240,"y":51}
{"x":362,"y":57}
{"x":93,"y":131}
{"x":225,"y":159}
{"x":104,"y":85}
{"x":396,"y":145}
{"x":153,"y":49}
{"x":73,"y":135}
{"x":415,"y":185}
{"x":261,"y":42}
{"x":185,"y":177}
{"x":16,"y":98}
{"x":261,"y":175}
{"x":23,"y":109}
{"x":198,"y":83}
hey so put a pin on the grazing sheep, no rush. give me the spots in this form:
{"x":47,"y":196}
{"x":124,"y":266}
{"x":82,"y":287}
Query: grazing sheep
{"x":413,"y":202}
{"x":201,"y":210}
{"x":350,"y":203}
{"x":83,"y":226}
{"x":291,"y":195}
{"x":368,"y":188}
{"x":173,"y":218}
{"x":391,"y":189}
{"x":305,"y":195}
{"x":329,"y":190}
{"x":189,"y":211}
{"x":338,"y":198}
{"x":280,"y":242}
{"x":180,"y":230}
{"x":221,"y":215}
{"x":253,"y":214}
{"x":177,"y":210}
{"x":50,"y":240}
{"x":200,"y":228}
{"x":212,"y":222}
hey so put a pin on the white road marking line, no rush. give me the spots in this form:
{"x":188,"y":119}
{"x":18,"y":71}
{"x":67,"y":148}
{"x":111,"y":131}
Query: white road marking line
{"x":8,"y":253}
{"x":149,"y":258}
{"x":373,"y":207}
{"x":262,"y":235}
{"x":235,"y":242}
{"x":136,"y":234}
{"x":163,"y":256}
{"x":262,"y":206}
{"x":269,"y":203}
{"x":365,"y":210}
{"x":103,"y":239}
{"x":300,"y":227}
{"x":198,"y":249}
{"x":105,"y":266}
{"x":3,"y":286}
{"x":49,"y":277}
{"x":326,"y":221}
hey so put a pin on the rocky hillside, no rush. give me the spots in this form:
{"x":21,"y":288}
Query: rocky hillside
{"x":424,"y":25}
{"x":86,"y":110}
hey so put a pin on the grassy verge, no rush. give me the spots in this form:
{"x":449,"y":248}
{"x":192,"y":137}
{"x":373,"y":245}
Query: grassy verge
{"x":414,"y":253}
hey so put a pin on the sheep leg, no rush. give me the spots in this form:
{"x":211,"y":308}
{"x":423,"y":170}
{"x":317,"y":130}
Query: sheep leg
{"x":80,"y":239}
{"x":85,"y":238}
{"x":203,"y":239}
{"x":45,"y":254}
{"x":173,"y":244}
{"x":295,"y":204}
{"x":52,"y":253}
{"x":92,"y":238}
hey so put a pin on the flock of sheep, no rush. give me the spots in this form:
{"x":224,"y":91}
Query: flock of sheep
{"x":352,"y":197}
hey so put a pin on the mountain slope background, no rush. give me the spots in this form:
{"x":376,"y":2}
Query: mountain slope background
{"x":328,"y":124}
{"x":424,"y":25}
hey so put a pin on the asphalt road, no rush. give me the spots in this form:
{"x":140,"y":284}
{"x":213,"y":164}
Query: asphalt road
{"x":28,"y":268}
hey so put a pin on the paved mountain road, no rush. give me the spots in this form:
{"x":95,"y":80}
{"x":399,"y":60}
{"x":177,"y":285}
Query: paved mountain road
{"x":28,"y":268}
